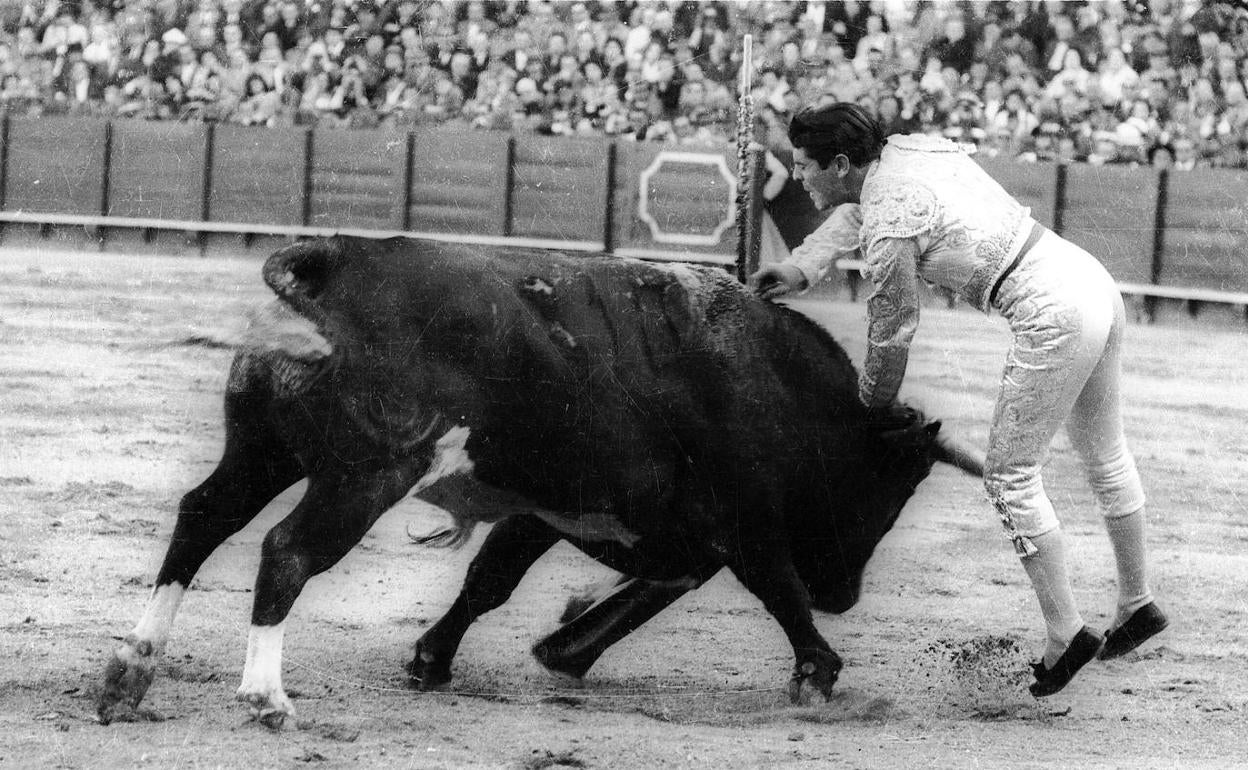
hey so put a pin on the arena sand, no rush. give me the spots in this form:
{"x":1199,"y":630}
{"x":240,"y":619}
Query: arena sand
{"x":106,"y":421}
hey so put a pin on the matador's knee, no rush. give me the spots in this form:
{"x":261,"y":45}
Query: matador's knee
{"x":1025,"y":510}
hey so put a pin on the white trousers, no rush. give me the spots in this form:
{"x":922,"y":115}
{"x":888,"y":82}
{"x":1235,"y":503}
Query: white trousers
{"x":1064,"y":367}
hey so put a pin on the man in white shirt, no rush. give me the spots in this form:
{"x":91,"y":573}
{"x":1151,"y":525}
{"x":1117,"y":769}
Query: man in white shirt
{"x":920,"y":208}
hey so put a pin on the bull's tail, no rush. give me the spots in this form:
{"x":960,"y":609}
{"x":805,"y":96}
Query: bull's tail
{"x":299,"y":272}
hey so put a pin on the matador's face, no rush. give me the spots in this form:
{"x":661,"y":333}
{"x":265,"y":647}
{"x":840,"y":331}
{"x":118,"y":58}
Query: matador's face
{"x":828,"y":187}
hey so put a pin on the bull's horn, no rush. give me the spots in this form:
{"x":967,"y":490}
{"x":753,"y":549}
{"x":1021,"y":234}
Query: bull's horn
{"x":959,"y":455}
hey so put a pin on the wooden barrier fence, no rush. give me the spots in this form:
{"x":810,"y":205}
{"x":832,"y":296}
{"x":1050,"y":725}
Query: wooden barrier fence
{"x":201,"y":189}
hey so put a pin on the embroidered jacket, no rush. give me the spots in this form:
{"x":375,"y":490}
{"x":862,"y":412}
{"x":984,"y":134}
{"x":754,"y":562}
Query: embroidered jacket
{"x":928,"y":211}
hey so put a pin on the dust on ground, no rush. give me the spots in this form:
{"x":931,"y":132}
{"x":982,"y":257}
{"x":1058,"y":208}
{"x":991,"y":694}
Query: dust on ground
{"x":107,"y":422}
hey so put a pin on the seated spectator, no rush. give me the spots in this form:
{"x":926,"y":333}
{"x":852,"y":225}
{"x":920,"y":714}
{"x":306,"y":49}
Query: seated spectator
{"x":1113,"y":75}
{"x":65,"y":32}
{"x":839,"y":81}
{"x":1072,"y":79}
{"x":314,"y":104}
{"x":597,"y":95}
{"x":565,"y":75}
{"x":234,"y":77}
{"x":877,"y":39}
{"x":463,"y":75}
{"x":1014,"y":119}
{"x":790,"y":68}
{"x":203,"y":96}
{"x":993,"y":96}
{"x":888,"y":111}
{"x":103,"y":49}
{"x":1137,"y":132}
{"x":1055,"y":56}
{"x":258,"y":106}
{"x":707,"y":32}
{"x":965,"y":121}
{"x":1185,"y":156}
{"x":931,"y":115}
{"x":392,"y":99}
{"x":1104,"y":149}
{"x":1232,"y":125}
{"x":77,"y":88}
{"x":955,"y":46}
{"x":932,"y":81}
{"x":1161,"y":156}
{"x":667,"y":88}
{"x":19,"y":94}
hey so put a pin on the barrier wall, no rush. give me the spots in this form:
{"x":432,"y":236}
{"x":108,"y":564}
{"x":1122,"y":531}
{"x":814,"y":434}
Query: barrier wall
{"x":559,"y":188}
{"x":357,"y":179}
{"x":55,"y":165}
{"x":1110,"y":212}
{"x":157,"y":171}
{"x":195,"y":183}
{"x":1206,"y":232}
{"x":1032,"y":185}
{"x":458,"y":182}
{"x":258,"y":175}
{"x":689,"y":198}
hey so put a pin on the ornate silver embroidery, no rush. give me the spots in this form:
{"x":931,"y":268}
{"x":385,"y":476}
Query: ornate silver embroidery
{"x":896,"y":207}
{"x":992,"y":255}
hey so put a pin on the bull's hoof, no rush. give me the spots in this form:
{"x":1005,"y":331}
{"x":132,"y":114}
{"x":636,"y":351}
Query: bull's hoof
{"x":426,"y":671}
{"x":270,"y":709}
{"x":819,"y":668}
{"x":127,"y":676}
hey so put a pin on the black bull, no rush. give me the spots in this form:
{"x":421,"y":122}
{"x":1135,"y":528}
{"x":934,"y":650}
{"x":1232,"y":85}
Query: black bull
{"x":663,"y":420}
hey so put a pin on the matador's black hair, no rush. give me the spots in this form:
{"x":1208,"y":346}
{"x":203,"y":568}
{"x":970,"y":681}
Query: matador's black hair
{"x":842,"y":128}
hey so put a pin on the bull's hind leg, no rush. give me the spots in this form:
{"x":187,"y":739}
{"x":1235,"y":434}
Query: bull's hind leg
{"x":331,"y":518}
{"x":507,"y":553}
{"x":766,"y":569}
{"x":254,"y":469}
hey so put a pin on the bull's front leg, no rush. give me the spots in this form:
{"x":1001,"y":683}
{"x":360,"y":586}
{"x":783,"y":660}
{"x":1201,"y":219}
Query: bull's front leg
{"x":766,"y":569}
{"x":512,"y":546}
{"x":330,"y":519}
{"x":252,"y":472}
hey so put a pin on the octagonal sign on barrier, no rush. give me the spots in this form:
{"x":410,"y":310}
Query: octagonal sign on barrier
{"x":680,"y":198}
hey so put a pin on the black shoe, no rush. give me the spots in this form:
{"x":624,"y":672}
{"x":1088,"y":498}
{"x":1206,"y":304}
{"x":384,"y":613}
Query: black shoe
{"x":1144,"y":623}
{"x":1082,"y":649}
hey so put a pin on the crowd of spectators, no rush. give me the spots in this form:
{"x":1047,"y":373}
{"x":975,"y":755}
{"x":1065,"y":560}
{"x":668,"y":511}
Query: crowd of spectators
{"x":1112,"y":81}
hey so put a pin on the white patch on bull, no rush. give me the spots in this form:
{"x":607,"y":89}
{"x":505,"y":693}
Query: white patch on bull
{"x":592,"y":527}
{"x":539,"y":286}
{"x":450,"y":484}
{"x":561,"y":335}
{"x":261,"y":688}
{"x":157,"y":619}
{"x":444,"y":484}
{"x":275,"y":327}
{"x":450,"y":458}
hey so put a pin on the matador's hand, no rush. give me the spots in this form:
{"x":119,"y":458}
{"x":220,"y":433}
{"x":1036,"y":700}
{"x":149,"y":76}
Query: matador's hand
{"x":777,"y":280}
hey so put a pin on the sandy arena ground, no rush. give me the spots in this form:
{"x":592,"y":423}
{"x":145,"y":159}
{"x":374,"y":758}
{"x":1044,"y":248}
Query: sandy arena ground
{"x":106,"y":421}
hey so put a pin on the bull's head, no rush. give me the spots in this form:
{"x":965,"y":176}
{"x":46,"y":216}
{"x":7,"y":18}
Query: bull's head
{"x":833,"y":538}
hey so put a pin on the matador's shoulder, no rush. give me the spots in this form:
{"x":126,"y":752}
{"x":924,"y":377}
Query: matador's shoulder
{"x":896,"y":206}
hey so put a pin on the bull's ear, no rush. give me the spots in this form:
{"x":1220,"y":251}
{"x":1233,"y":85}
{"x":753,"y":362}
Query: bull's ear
{"x":932,"y":428}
